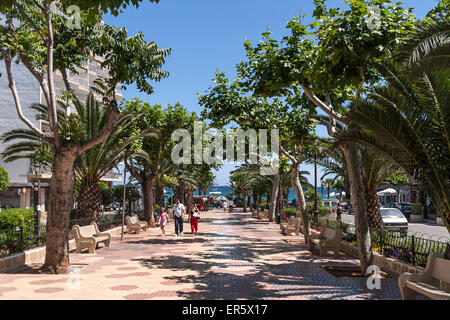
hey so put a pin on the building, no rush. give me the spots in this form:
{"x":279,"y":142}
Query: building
{"x":20,"y":172}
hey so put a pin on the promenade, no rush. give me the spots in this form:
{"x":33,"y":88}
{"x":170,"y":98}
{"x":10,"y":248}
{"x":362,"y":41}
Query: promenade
{"x":232,"y":257}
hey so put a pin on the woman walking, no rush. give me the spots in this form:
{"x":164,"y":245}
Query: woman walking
{"x":194,"y":215}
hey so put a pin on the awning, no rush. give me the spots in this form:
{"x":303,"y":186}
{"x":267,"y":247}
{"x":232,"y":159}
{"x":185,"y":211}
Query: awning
{"x":387,"y":191}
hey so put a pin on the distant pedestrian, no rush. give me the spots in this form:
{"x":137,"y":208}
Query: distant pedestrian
{"x":178,"y":210}
{"x":194,"y":215}
{"x":339,"y":211}
{"x":225,"y":205}
{"x":163,"y":221}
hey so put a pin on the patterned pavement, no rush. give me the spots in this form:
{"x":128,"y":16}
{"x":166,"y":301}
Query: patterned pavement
{"x":232,"y":257}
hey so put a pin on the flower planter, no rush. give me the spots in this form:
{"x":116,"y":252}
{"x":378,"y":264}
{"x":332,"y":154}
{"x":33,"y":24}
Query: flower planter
{"x":415,"y":218}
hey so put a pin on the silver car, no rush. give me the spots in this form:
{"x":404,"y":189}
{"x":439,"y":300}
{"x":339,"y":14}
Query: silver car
{"x":393,"y":219}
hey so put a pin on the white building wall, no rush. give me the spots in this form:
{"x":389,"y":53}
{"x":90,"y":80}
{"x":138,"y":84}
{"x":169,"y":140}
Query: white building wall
{"x":29,"y":92}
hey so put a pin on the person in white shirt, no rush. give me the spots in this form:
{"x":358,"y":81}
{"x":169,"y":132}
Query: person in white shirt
{"x":225,"y":205}
{"x":178,"y":211}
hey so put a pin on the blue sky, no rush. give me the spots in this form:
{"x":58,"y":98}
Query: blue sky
{"x":208,"y":35}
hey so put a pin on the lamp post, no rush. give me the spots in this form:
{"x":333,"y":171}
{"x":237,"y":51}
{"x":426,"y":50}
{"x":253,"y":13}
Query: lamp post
{"x":36,"y":205}
{"x":316,"y":208}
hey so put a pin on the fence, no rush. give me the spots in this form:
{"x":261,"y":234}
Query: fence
{"x":24,"y":237}
{"x":410,"y":248}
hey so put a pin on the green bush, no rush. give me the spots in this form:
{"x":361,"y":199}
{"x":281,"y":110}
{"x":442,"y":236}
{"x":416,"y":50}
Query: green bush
{"x":16,"y":217}
{"x":290,"y":212}
{"x":264,"y":203}
{"x":107,"y":194}
{"x":73,"y":214}
{"x":323,"y":210}
{"x":157,"y":208}
{"x":416,"y":209}
{"x":4,"y":179}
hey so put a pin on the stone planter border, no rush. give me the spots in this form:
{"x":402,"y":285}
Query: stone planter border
{"x":35,"y":255}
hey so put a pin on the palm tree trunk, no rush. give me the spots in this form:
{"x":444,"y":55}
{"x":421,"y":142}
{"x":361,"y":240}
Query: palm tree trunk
{"x":373,"y":210}
{"x":359,"y":206}
{"x":274,"y":196}
{"x":347,"y":189}
{"x":89,"y":201}
{"x":159,"y":196}
{"x":295,"y":180}
{"x":60,"y":201}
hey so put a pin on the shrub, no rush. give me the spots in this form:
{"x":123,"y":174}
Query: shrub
{"x":107,"y":194}
{"x":157,"y":208}
{"x":290,"y":212}
{"x":16,"y":217}
{"x":73,"y":214}
{"x":416,"y":209}
{"x":323,"y":210}
{"x":4,"y":179}
{"x":264,"y":203}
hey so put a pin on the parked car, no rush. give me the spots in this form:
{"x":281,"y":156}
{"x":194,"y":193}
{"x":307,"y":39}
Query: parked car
{"x":404,"y":207}
{"x":393,"y":219}
{"x":347,"y":208}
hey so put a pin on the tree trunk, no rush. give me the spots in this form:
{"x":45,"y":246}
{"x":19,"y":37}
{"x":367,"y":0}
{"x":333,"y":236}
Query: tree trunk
{"x":274,"y":196}
{"x":147,"y":189}
{"x":159,"y":196}
{"x":359,"y":206}
{"x":373,"y":210}
{"x":89,"y":201}
{"x":59,"y":205}
{"x":180,"y":192}
{"x":244,"y":203}
{"x":295,"y":180}
{"x":347,"y":190}
{"x":189,"y":198}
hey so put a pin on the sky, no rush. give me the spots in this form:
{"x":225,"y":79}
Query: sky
{"x":208,"y":35}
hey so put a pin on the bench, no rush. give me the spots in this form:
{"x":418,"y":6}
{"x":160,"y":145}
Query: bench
{"x":433,"y":282}
{"x":327,"y":239}
{"x":133,"y":224}
{"x":87,"y":237}
{"x":263,"y":216}
{"x":293,"y":225}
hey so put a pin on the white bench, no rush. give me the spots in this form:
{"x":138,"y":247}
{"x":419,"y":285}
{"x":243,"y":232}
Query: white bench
{"x":263,"y":216}
{"x":292,"y":226}
{"x":133,"y":224}
{"x":433,"y":282}
{"x":327,"y":239}
{"x":87,"y":237}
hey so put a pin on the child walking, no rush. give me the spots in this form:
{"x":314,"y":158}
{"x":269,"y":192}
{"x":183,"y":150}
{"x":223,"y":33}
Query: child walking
{"x":163,"y":221}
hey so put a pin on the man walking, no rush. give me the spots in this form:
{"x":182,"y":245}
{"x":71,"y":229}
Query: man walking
{"x":178,"y":210}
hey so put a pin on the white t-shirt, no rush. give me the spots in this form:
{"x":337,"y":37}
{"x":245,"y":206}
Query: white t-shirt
{"x":178,"y":209}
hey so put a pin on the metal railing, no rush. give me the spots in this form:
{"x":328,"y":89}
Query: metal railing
{"x":23,"y":237}
{"x":410,"y":248}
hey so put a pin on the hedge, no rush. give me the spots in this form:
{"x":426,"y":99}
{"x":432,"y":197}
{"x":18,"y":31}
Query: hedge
{"x":16,"y":217}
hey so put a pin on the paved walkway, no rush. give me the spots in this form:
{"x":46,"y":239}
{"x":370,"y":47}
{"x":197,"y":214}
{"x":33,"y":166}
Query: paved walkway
{"x":233,"y":257}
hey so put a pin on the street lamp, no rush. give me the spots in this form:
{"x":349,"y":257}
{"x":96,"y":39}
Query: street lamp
{"x":36,"y":205}
{"x":316,"y":208}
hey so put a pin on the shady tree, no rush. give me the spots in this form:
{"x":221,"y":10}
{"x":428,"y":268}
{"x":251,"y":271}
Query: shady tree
{"x":44,"y":41}
{"x":331,"y":59}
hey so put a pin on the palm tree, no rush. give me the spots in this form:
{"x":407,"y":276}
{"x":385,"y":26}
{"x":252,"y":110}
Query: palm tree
{"x":427,"y":48}
{"x":409,"y":122}
{"x":90,"y":166}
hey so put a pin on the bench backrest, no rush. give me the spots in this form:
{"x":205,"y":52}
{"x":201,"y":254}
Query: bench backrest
{"x":441,"y":269}
{"x":133,"y":219}
{"x":266,"y":212}
{"x":87,"y":231}
{"x":332,"y":234}
{"x":292,"y":220}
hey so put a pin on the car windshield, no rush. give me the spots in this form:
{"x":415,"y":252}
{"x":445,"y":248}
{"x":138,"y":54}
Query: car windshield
{"x":405,"y":206}
{"x":392,"y":213}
